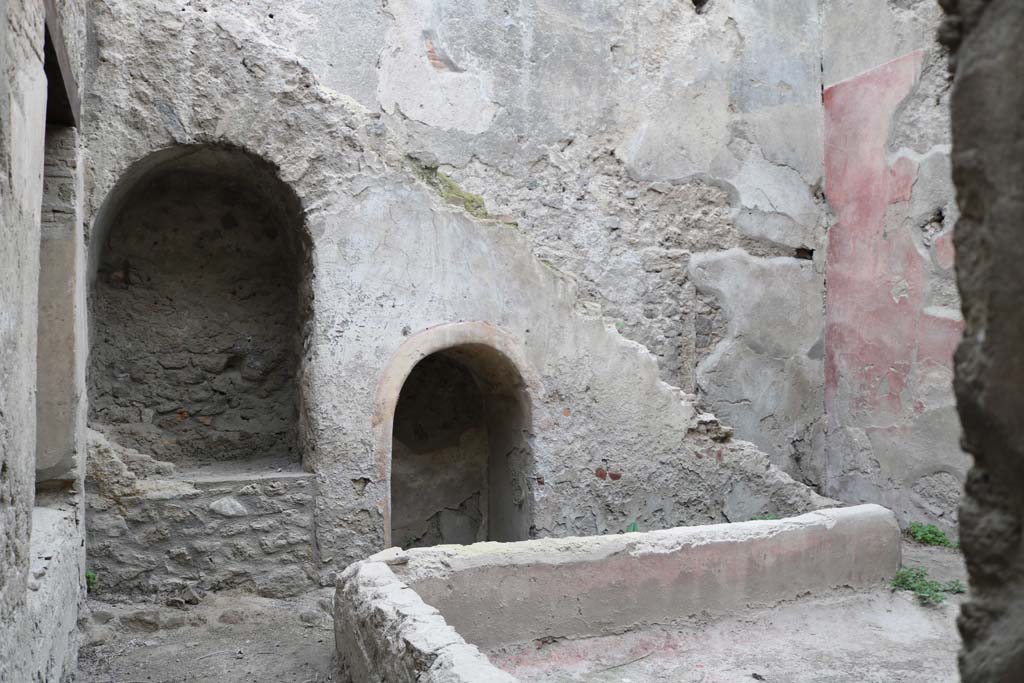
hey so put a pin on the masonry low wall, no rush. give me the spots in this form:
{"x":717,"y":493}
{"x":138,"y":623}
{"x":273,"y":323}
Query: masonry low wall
{"x":420,"y":608}
{"x":44,"y":636}
{"x":153,"y":530}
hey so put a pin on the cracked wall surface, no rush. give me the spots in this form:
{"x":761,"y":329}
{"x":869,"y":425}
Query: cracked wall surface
{"x":393,"y":255}
{"x":988,"y":150}
{"x":621,"y":140}
{"x":628,"y":141}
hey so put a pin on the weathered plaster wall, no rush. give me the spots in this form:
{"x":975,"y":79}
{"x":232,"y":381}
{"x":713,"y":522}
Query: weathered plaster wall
{"x":632,"y":143}
{"x":988,"y":167}
{"x":23,"y":111}
{"x":620,"y":138}
{"x":892,"y":317}
{"x":610,"y":443}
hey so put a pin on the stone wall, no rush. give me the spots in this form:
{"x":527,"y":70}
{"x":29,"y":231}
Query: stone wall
{"x":394,"y":261}
{"x":195,"y":320}
{"x":154,"y":531}
{"x":620,"y":141}
{"x":988,"y":167}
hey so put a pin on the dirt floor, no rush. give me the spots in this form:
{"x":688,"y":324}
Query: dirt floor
{"x":225,"y":638}
{"x":877,"y":636}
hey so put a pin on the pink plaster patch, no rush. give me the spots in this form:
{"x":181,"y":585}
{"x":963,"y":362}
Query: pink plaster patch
{"x":877,"y":332}
{"x":943,"y":250}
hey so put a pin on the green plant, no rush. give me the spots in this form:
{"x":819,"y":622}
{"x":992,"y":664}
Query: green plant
{"x":90,"y":580}
{"x":927,"y":590}
{"x":450,"y":191}
{"x":764,"y":518}
{"x":929,"y":534}
{"x":632,"y":527}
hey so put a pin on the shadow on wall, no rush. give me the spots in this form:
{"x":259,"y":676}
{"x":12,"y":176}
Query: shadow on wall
{"x":199,"y":265}
{"x":459,"y":449}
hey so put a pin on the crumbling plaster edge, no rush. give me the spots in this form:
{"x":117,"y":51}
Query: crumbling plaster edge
{"x":404,"y":627}
{"x":423,"y":563}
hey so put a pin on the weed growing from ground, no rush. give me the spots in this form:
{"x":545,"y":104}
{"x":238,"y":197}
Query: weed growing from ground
{"x":929,"y":534}
{"x":928,"y":591}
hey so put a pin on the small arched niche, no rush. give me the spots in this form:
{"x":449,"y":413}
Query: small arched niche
{"x":460,"y":453}
{"x":199,"y":263}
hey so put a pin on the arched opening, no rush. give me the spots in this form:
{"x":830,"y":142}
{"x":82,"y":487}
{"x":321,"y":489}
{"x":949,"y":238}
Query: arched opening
{"x":198,"y":307}
{"x":460,"y":456}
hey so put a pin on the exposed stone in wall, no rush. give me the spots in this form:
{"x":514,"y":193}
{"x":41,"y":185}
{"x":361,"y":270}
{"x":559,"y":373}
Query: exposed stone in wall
{"x":439,"y":460}
{"x":988,"y":148}
{"x":627,"y":241}
{"x":153,"y":531}
{"x":195,"y":322}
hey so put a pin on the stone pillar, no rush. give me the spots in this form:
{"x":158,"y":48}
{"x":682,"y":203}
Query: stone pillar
{"x":62,"y":343}
{"x":988,"y":169}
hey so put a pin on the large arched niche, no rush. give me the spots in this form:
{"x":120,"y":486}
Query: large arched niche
{"x":453,"y":432}
{"x":199,"y":273}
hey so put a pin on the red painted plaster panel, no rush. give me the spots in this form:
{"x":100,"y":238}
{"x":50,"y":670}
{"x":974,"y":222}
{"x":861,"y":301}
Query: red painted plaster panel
{"x":878,"y":333}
